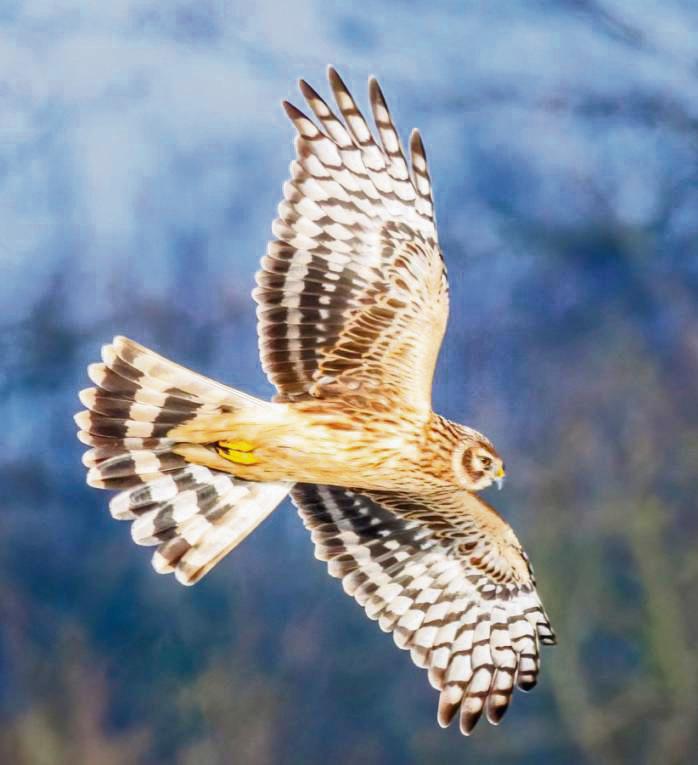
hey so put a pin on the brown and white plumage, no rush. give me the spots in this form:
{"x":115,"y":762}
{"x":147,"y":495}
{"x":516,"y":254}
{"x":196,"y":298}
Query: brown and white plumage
{"x":448,"y":578}
{"x":353,"y":291}
{"x":352,"y":307}
{"x":193,"y":514}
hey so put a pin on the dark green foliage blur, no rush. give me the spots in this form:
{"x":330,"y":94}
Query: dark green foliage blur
{"x":142,"y":152}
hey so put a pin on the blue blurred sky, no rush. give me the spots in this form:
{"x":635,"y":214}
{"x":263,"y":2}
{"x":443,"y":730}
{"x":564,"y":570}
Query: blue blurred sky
{"x":124,"y":123}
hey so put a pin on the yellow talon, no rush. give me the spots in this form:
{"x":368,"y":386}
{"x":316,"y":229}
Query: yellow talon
{"x":241,"y":458}
{"x":237,"y":446}
{"x":239,"y":452}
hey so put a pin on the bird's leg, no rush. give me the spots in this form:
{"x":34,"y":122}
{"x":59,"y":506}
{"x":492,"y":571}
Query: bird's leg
{"x":239,"y":451}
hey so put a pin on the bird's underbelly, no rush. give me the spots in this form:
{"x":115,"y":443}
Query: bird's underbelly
{"x":317,"y":453}
{"x":323,"y":446}
{"x":354,"y":458}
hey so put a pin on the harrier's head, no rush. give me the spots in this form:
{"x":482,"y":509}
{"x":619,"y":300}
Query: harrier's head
{"x":477,"y":465}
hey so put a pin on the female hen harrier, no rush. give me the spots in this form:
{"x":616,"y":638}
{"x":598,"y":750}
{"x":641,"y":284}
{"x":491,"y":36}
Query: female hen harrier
{"x":352,"y":306}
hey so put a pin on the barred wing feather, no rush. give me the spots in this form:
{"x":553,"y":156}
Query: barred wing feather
{"x":452,"y":585}
{"x":353,"y":292}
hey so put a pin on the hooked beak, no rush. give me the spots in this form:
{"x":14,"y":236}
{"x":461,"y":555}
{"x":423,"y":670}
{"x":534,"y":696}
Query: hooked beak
{"x":499,"y":478}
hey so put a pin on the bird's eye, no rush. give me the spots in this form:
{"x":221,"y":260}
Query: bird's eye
{"x":486,"y":462}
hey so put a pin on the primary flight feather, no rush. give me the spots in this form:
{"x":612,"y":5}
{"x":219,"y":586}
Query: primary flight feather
{"x":352,"y":304}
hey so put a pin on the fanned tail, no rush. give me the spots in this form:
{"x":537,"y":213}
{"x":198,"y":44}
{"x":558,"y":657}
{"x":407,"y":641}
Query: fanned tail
{"x":194,"y":514}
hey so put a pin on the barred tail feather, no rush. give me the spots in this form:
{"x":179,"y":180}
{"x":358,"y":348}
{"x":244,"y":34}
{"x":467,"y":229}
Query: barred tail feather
{"x":195,"y":515}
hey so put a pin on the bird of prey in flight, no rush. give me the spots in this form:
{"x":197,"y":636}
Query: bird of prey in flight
{"x":352,"y":304}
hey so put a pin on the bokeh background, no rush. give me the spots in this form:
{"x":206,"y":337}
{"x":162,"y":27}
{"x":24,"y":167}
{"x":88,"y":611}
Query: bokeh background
{"x":142,"y":151}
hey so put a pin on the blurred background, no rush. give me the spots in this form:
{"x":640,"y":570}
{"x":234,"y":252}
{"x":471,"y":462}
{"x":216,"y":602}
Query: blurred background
{"x":142,"y":152}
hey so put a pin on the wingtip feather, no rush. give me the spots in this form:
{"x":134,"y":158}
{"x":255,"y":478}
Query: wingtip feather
{"x":374,"y":88}
{"x":96,"y":372}
{"x":87,"y":397}
{"x":82,"y":420}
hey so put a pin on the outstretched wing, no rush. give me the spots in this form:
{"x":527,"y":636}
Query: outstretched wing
{"x":352,"y":294}
{"x":448,"y":578}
